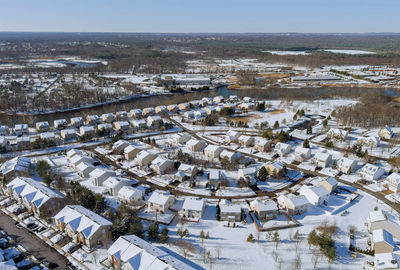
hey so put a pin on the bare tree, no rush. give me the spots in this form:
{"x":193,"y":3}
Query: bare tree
{"x":185,"y":247}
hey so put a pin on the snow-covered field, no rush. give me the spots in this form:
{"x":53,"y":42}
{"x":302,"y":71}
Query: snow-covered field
{"x":351,"y":52}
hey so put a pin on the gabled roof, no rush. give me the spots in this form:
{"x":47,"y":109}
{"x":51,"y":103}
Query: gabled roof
{"x":159,"y":197}
{"x":193,"y":204}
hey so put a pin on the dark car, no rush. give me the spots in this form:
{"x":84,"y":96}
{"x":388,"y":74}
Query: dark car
{"x":49,"y":264}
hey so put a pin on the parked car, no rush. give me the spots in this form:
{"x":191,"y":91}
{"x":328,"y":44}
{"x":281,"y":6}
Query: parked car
{"x":49,"y":264}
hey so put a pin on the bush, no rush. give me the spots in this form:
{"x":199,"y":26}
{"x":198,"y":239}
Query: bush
{"x":250,"y":238}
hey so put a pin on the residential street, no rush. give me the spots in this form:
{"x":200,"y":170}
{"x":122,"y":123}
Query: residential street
{"x":31,"y":242}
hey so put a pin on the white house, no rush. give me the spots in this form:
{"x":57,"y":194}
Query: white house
{"x":383,"y":220}
{"x":84,"y":169}
{"x":130,"y":194}
{"x":315,"y":195}
{"x":144,"y":158}
{"x":337,"y":134}
{"x":265,"y":210}
{"x":371,"y":172}
{"x":172,"y":108}
{"x":212,"y":151}
{"x":76,"y":121}
{"x":68,"y":134}
{"x":194,"y":145}
{"x":393,"y":181}
{"x":382,"y":242}
{"x":98,"y":176}
{"x":122,"y":115}
{"x":108,"y":117}
{"x":230,"y":155}
{"x":114,"y":184}
{"x":346,"y":165}
{"x":160,"y":201}
{"x":189,"y":115}
{"x":154,"y":121}
{"x":371,"y":141}
{"x":120,"y":146}
{"x":193,"y":208}
{"x":230,"y":212}
{"x":136,"y":113}
{"x":247,"y":173}
{"x":92,"y":119}
{"x":49,"y":136}
{"x":105,"y":127}
{"x":293,"y":205}
{"x":138,"y":124}
{"x":42,"y":126}
{"x":122,"y":126}
{"x":180,"y":138}
{"x":130,"y":252}
{"x":76,"y":159}
{"x":232,"y":136}
{"x":186,"y":172}
{"x":262,"y":145}
{"x":330,"y":184}
{"x":60,"y":123}
{"x":87,"y":131}
{"x":322,"y":159}
{"x":282,"y":149}
{"x":148,"y":111}
{"x":302,"y":154}
{"x":162,"y":166}
{"x":23,"y":142}
{"x":245,"y":140}
{"x":218,"y":99}
{"x":386,"y":133}
{"x":131,"y":151}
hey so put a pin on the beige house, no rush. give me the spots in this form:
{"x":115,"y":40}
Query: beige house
{"x":302,"y":154}
{"x":87,"y":131}
{"x":386,"y":133}
{"x":265,"y":210}
{"x":24,"y":143}
{"x":68,"y":134}
{"x":76,"y":121}
{"x":130,"y":152}
{"x":84,"y":226}
{"x":393,"y":182}
{"x":42,"y":126}
{"x":172,"y":108}
{"x":193,"y":208}
{"x":92,"y":119}
{"x":194,"y":145}
{"x":293,"y":205}
{"x":346,"y":165}
{"x":245,"y":140}
{"x":108,"y":118}
{"x":382,"y":220}
{"x":162,"y":166}
{"x":230,"y":212}
{"x":212,"y":151}
{"x":330,"y":184}
{"x":144,"y":158}
{"x":275,"y":168}
{"x":136,"y":113}
{"x":262,"y":145}
{"x":162,"y":109}
{"x":148,"y":111}
{"x":382,"y":241}
{"x":122,"y":126}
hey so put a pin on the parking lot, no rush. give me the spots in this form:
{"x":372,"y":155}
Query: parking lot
{"x":31,"y":242}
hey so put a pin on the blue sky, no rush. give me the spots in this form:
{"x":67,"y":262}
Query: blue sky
{"x":316,"y":16}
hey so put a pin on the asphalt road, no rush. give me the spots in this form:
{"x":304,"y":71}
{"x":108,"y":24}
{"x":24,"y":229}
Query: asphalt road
{"x":31,"y":242}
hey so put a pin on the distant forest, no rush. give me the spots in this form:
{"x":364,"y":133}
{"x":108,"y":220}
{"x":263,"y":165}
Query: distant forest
{"x":162,"y":53}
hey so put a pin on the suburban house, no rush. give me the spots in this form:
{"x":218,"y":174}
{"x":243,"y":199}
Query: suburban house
{"x":262,"y":145}
{"x":4,"y":130}
{"x":368,"y":141}
{"x":210,"y":110}
{"x":98,"y":176}
{"x":18,"y":166}
{"x":218,"y":99}
{"x":84,"y":169}
{"x":193,"y":208}
{"x":302,"y":154}
{"x":105,"y":127}
{"x":131,"y":151}
{"x":130,"y":194}
{"x":114,"y":184}
{"x":68,"y":134}
{"x":214,"y":177}
{"x":148,"y":111}
{"x":119,"y":146}
{"x":346,"y":165}
{"x":330,"y":184}
{"x":76,"y":121}
{"x":42,"y":126}
{"x":60,"y":123}
{"x":293,"y":205}
{"x":130,"y":252}
{"x":84,"y":226}
{"x":322,"y":159}
{"x":92,"y":120}
{"x":162,"y":166}
{"x":183,"y":106}
{"x":247,"y":173}
{"x":77,"y":159}
{"x":172,"y":108}
{"x":275,"y":168}
{"x":73,"y":152}
{"x":230,"y":212}
{"x":265,"y":210}
{"x":187,"y":172}
{"x":154,"y":121}
{"x":382,"y":220}
{"x":371,"y":172}
{"x":20,"y":129}
{"x":282,"y":149}
{"x":160,"y":201}
{"x":144,"y":158}
{"x":317,"y":195}
{"x":382,"y":241}
{"x":136,"y":113}
{"x":138,"y":124}
{"x":230,"y":155}
{"x":386,"y":133}
{"x":161,"y":109}
{"x":199,"y":114}
{"x":23,"y":142}
{"x":180,"y":138}
{"x":122,"y":115}
{"x":87,"y":131}
{"x":49,"y":137}
{"x":393,"y":181}
{"x":212,"y":151}
{"x":122,"y":126}
{"x":232,"y":136}
{"x":245,"y":140}
{"x":194,"y":145}
{"x":107,"y":118}
{"x":35,"y":196}
{"x":337,"y":134}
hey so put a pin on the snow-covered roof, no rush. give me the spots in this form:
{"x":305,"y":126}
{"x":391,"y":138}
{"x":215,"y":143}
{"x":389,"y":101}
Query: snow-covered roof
{"x":301,"y":150}
{"x":375,"y":216}
{"x":212,"y":148}
{"x":370,"y":168}
{"x":112,"y":181}
{"x":33,"y":191}
{"x":282,"y":146}
{"x":229,"y":154}
{"x":322,"y":156}
{"x":143,"y":255}
{"x":265,"y":206}
{"x":193,"y":204}
{"x":160,"y":198}
{"x":331,"y":181}
{"x":129,"y":192}
{"x":98,"y":172}
{"x":382,"y":235}
{"x":81,"y":219}
{"x":230,"y":208}
{"x":345,"y":162}
{"x":298,"y":201}
{"x":394,"y":177}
